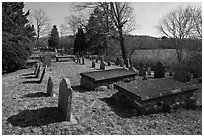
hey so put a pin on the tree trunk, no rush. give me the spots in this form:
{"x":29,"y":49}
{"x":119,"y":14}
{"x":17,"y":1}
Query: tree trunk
{"x":122,"y":46}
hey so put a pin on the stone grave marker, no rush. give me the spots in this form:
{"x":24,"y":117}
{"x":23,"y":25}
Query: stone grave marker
{"x":65,"y":100}
{"x":121,"y":62}
{"x":83,"y":62}
{"x":128,"y":63}
{"x":50,"y":87}
{"x":109,"y":64}
{"x":93,"y":64}
{"x":117,"y":62}
{"x":102,"y":65}
{"x":47,"y":61}
{"x":149,"y":71}
{"x":159,"y":71}
{"x":42,"y":75}
{"x":142,"y":71}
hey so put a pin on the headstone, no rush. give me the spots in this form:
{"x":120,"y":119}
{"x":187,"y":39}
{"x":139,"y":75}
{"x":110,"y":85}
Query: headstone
{"x":122,"y":62}
{"x":79,"y":60}
{"x":97,"y":59}
{"x":149,"y":71}
{"x":128,"y":63}
{"x":93,"y":64}
{"x":142,"y":71}
{"x":83,"y":62}
{"x":43,"y":73}
{"x":50,"y":87}
{"x":159,"y":71}
{"x":182,"y":76}
{"x":117,"y":61}
{"x":102,"y":65}
{"x":38,"y":71}
{"x":47,"y":61}
{"x":109,"y":64}
{"x":65,"y":98}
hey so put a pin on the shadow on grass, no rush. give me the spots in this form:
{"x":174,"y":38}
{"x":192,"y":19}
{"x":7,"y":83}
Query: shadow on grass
{"x":38,"y":94}
{"x":79,"y":88}
{"x":38,"y":117}
{"x":34,"y":81}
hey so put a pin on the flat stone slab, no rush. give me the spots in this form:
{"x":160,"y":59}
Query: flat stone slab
{"x":108,"y":74}
{"x":94,"y":79}
{"x":152,"y":89}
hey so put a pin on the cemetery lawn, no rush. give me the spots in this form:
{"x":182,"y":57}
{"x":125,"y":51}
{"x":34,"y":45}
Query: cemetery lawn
{"x":27,"y":110}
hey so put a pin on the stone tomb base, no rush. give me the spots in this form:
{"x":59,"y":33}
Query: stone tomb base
{"x":155,"y":95}
{"x":92,"y":80}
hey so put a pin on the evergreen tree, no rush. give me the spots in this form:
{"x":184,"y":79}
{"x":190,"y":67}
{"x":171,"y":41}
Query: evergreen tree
{"x":80,"y":45}
{"x":53,"y":40}
{"x":17,"y":36}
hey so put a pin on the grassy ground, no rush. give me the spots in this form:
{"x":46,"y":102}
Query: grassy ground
{"x":27,"y":110}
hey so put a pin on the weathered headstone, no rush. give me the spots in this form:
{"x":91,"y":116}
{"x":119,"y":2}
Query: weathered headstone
{"x":121,"y":62}
{"x":142,"y":71}
{"x":93,"y":64}
{"x":128,"y":63}
{"x":159,"y":71}
{"x":47,"y":61}
{"x":97,"y":59}
{"x":149,"y":71}
{"x":83,"y":62}
{"x":109,"y":64}
{"x":38,"y":71}
{"x":117,"y":62}
{"x":65,"y":98}
{"x":182,"y":76}
{"x":102,"y":65}
{"x":43,"y":73}
{"x":50,"y":87}
{"x":79,"y":61}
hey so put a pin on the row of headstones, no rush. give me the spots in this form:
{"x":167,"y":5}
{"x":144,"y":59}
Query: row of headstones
{"x":79,"y":60}
{"x":120,"y":62}
{"x":36,"y":72}
{"x":64,"y":98}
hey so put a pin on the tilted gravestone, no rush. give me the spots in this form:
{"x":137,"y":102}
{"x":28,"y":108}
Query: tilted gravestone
{"x":182,"y":76}
{"x":159,"y":71}
{"x":117,"y":62}
{"x":50,"y":87}
{"x":65,"y":100}
{"x":93,"y":64}
{"x":42,"y":75}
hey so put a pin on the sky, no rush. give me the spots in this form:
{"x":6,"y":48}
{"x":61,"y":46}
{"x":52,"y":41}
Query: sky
{"x":147,"y":14}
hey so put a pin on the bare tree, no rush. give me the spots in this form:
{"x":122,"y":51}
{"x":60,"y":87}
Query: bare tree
{"x":63,"y":30}
{"x":177,"y":25}
{"x":41,"y":22}
{"x":120,"y":13}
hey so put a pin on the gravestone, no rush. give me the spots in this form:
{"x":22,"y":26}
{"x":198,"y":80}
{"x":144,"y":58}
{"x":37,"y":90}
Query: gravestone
{"x":65,"y":99}
{"x":83,"y":62}
{"x":97,"y":59}
{"x":109,"y":64}
{"x":121,"y":62}
{"x":102,"y":65}
{"x":142,"y":71}
{"x":117,"y":62}
{"x":128,"y":63}
{"x":47,"y":61}
{"x":149,"y":71}
{"x":159,"y":71}
{"x":38,"y":71}
{"x":50,"y":87}
{"x":93,"y":64}
{"x":42,"y":75}
{"x":182,"y":76}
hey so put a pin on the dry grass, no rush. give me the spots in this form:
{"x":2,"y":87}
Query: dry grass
{"x":27,"y":110}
